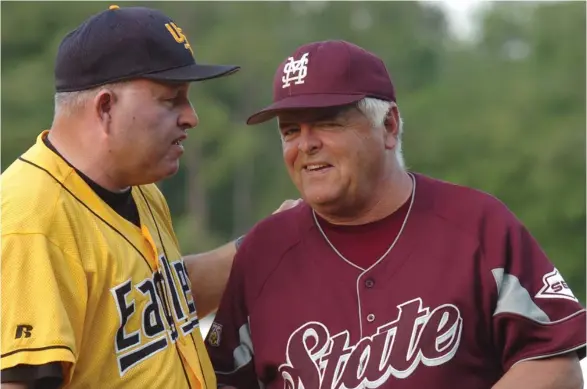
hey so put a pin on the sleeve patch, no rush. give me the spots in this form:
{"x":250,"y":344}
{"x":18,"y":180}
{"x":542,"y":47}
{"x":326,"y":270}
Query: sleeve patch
{"x":554,"y":286}
{"x":214,"y":334}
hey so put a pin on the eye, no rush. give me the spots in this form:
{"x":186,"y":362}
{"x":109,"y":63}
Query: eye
{"x":172,"y":98}
{"x":288,"y":132}
{"x":175,"y":100}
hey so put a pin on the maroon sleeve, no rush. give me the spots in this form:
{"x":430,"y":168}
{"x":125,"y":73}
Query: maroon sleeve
{"x":535,"y":312}
{"x":229,"y":339}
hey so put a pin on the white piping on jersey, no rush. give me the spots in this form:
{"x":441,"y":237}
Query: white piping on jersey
{"x":364,"y":271}
{"x":562,"y":352}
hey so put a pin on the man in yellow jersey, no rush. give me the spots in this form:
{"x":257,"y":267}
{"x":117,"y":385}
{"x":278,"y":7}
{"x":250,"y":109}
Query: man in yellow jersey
{"x":95,"y":293}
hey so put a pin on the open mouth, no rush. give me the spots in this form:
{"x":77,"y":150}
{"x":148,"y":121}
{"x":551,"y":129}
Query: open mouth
{"x":178,"y":141}
{"x":317,"y":167}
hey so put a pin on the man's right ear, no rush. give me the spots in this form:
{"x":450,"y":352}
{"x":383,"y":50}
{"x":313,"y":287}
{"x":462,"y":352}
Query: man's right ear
{"x":103,"y":104}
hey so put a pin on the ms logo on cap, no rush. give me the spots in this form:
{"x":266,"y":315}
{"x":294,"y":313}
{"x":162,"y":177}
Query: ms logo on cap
{"x":295,"y":70}
{"x":178,"y":35}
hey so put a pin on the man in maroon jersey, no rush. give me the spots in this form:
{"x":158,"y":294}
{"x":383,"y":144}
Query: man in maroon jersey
{"x":384,"y":278}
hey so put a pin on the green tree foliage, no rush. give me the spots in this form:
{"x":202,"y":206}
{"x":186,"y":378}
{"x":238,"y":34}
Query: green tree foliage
{"x":504,"y":113}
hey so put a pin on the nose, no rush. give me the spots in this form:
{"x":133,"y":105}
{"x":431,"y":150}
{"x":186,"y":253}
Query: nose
{"x":188,"y":117}
{"x":309,"y":142}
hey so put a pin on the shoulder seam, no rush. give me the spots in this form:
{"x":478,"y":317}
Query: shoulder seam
{"x":459,"y":228}
{"x":253,"y":304}
{"x":478,"y":245}
{"x":60,"y":190}
{"x":76,"y":260}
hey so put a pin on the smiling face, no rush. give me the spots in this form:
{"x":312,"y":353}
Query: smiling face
{"x":336,"y":157}
{"x":148,"y":121}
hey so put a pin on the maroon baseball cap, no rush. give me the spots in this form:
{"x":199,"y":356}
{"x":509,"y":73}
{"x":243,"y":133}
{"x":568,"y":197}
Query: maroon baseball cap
{"x":326,"y":74}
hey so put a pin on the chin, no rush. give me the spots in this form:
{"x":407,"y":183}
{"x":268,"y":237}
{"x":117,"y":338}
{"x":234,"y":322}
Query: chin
{"x":319,"y":197}
{"x":171,"y":171}
{"x":166,"y":171}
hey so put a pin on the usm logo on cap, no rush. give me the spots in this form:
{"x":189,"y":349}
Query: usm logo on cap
{"x":178,"y":35}
{"x":295,"y":70}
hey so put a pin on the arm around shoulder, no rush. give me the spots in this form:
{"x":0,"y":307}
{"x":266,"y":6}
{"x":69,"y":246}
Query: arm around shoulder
{"x":208,"y":273}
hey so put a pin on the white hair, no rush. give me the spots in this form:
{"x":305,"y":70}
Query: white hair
{"x":378,"y":111}
{"x":68,"y":103}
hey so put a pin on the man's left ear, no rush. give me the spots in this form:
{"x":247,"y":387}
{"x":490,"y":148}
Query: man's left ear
{"x":391,"y":127}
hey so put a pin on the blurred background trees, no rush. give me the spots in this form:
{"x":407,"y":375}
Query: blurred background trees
{"x":504,"y":113}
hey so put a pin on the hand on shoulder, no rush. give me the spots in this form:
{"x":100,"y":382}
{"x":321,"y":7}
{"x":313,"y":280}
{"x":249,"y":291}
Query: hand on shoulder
{"x":287,"y":204}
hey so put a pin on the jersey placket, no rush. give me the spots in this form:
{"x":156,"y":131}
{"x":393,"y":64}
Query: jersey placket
{"x":187,"y":355}
{"x":366,"y":294}
{"x":153,"y":259}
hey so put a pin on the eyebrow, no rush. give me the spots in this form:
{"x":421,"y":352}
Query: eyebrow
{"x":283,"y":124}
{"x":173,"y":88}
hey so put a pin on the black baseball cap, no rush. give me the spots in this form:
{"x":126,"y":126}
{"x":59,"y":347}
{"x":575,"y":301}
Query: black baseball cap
{"x":128,"y":43}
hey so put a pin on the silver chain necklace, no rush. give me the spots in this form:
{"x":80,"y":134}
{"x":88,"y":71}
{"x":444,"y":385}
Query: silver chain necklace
{"x":392,"y":244}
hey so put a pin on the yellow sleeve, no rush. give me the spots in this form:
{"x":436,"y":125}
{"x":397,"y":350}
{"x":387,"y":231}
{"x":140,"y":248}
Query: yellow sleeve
{"x":44,"y":296}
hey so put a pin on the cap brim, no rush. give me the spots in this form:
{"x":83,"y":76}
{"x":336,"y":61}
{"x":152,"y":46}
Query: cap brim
{"x":193,"y":72}
{"x":303,"y":102}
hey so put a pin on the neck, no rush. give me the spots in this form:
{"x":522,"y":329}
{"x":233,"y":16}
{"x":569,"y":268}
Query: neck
{"x":83,"y":155}
{"x":393,"y":192}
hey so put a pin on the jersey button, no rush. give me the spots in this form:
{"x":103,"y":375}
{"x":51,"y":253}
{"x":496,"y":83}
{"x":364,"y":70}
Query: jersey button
{"x":370,"y":318}
{"x":369,"y":283}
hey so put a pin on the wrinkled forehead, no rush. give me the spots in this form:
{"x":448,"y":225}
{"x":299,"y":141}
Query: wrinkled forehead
{"x":310,"y":115}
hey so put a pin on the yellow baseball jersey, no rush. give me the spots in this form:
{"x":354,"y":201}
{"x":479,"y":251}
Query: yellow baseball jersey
{"x":83,"y":286}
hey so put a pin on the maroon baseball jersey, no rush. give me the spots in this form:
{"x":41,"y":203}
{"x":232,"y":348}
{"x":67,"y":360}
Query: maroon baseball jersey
{"x":464,"y":294}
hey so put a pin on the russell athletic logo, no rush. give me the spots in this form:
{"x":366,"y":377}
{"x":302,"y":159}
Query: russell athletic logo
{"x":23,"y":331}
{"x":315,"y":359}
